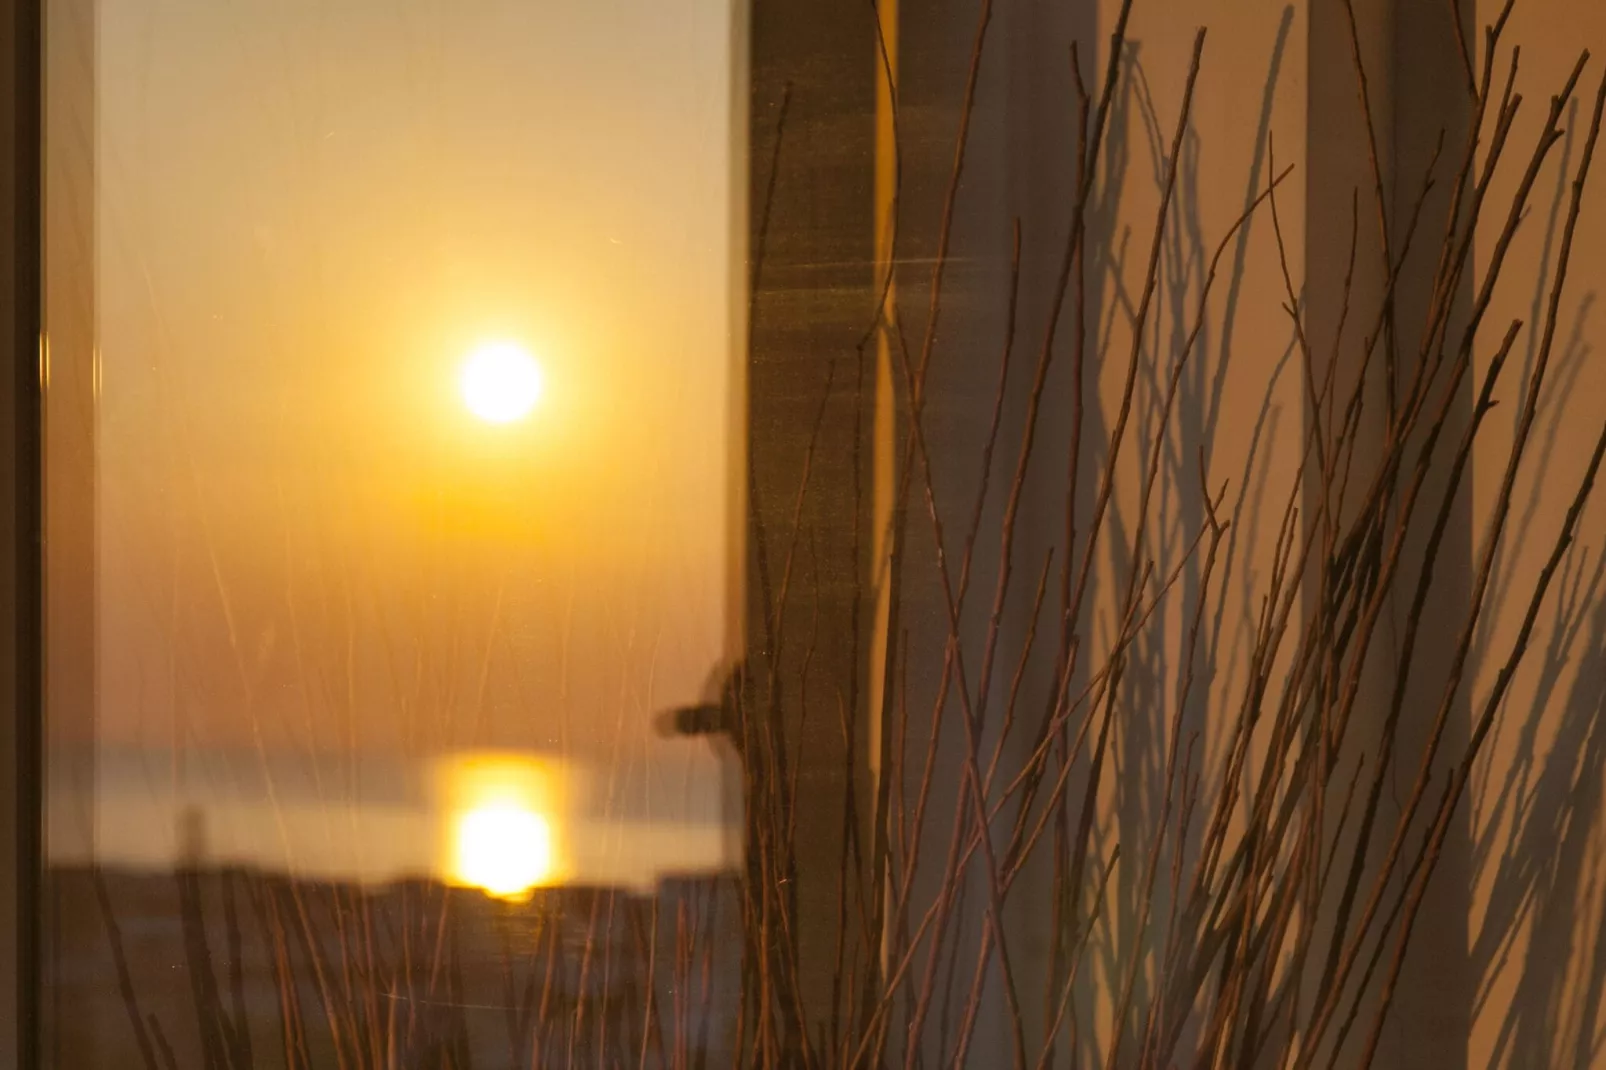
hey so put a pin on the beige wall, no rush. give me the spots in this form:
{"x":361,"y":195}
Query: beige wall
{"x":1517,"y":964}
{"x":1537,"y":911}
{"x":1506,"y":969}
{"x":1241,"y":397}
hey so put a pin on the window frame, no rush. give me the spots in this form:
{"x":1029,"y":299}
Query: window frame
{"x":21,"y":599}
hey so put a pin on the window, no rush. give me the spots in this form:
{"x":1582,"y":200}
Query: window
{"x":393,"y":446}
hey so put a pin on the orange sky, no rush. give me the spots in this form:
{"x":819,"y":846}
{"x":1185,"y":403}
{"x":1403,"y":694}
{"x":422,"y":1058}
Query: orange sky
{"x":307,"y":215}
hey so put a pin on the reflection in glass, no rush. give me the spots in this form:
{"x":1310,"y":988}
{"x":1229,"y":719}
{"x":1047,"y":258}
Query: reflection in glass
{"x":412,"y":470}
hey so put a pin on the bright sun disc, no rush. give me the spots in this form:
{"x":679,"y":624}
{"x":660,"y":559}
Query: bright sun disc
{"x":503,"y":822}
{"x":504,"y":849}
{"x":501,"y":382}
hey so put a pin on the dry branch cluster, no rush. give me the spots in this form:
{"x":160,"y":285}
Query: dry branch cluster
{"x":1271,"y":889}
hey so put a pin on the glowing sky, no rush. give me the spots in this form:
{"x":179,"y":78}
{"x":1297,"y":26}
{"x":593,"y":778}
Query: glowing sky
{"x":308,"y":214}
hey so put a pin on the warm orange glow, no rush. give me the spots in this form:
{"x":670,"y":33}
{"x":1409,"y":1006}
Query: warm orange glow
{"x":501,"y":382}
{"x":503,"y":822}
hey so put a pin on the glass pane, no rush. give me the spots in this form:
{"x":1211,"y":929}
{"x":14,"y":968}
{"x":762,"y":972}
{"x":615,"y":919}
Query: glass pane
{"x":401,"y":444}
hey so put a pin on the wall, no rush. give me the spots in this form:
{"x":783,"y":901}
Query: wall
{"x":1538,"y":835}
{"x":1240,"y":395}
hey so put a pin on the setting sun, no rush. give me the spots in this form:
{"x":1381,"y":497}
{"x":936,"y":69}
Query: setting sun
{"x":504,"y":822}
{"x":501,"y":382}
{"x":504,"y":848}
